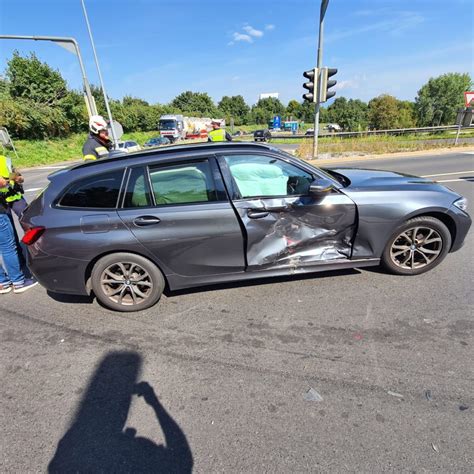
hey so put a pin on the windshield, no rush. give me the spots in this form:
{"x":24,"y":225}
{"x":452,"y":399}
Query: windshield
{"x":167,"y":124}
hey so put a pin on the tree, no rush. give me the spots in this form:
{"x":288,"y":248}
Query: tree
{"x":406,"y":114}
{"x":197,"y":103}
{"x":233,"y":107}
{"x":293,"y":109}
{"x":129,"y":100}
{"x":350,"y":114}
{"x":383,"y":112}
{"x":440,"y":98}
{"x":31,"y":79}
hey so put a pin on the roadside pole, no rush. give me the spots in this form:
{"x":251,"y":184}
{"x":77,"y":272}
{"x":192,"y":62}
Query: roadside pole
{"x":319,"y":62}
{"x":107,"y":106}
{"x":71,"y":45}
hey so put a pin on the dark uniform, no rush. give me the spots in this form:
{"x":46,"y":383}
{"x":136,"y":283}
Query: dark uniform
{"x":94,"y":149}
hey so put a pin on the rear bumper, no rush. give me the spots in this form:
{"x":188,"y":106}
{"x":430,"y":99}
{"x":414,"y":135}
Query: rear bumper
{"x":58,"y":274}
{"x":463,"y":223}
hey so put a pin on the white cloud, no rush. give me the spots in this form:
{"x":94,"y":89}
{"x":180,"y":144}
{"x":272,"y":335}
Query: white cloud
{"x":349,"y":84}
{"x":269,"y":27}
{"x":252,"y":31}
{"x":242,"y":37}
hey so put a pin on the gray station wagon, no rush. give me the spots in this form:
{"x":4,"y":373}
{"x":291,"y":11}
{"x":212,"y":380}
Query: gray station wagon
{"x":126,"y":227}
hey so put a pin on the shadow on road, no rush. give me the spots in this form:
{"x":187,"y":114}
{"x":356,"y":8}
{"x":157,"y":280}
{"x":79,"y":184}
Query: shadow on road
{"x":96,"y":440}
{"x":78,"y":299}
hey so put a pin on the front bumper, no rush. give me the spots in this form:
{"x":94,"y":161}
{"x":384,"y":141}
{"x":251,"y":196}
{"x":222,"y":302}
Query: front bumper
{"x":463,"y":223}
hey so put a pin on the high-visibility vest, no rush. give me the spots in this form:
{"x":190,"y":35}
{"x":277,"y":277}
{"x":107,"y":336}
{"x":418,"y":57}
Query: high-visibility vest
{"x":5,"y":171}
{"x":217,"y":135}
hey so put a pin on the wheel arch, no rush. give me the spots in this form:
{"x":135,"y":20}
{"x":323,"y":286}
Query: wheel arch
{"x":447,"y":220}
{"x":90,"y":266}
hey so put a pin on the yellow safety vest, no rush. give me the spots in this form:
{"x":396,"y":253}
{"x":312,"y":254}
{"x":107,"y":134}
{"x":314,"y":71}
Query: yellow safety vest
{"x":217,"y":135}
{"x":5,"y":171}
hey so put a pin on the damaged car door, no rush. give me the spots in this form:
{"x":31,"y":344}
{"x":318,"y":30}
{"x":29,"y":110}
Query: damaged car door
{"x":288,"y":217}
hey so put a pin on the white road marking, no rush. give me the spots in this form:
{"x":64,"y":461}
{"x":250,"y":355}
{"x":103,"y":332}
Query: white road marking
{"x":52,"y":167}
{"x":471,"y":179}
{"x":32,"y":190}
{"x":446,"y":174}
{"x":468,"y":152}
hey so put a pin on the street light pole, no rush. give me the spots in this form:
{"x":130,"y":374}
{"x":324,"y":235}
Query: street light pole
{"x":107,"y":106}
{"x":319,"y":62}
{"x":66,"y":43}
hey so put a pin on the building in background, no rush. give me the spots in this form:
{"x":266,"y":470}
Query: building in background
{"x":266,"y":95}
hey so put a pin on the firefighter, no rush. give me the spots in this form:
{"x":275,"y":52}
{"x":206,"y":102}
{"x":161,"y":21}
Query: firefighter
{"x":12,"y":193}
{"x":217,"y":134}
{"x":98,"y":144}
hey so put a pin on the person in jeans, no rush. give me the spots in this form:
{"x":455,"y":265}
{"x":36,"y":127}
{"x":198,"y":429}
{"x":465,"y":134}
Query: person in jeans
{"x":11,"y":276}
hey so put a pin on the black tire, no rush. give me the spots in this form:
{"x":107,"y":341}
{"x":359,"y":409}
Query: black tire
{"x":127,"y":282}
{"x":428,"y":248}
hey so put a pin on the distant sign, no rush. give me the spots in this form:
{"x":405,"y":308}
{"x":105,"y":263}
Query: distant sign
{"x":4,"y":137}
{"x":468,"y":98}
{"x":276,"y":122}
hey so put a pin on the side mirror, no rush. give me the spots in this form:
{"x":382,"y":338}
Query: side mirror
{"x":320,"y":186}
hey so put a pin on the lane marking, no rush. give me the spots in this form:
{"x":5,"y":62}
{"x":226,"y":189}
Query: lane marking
{"x":469,"y":179}
{"x":53,"y":167}
{"x":32,"y":190}
{"x":445,"y":174}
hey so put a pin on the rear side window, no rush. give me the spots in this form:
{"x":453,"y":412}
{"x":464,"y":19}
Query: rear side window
{"x":183,"y":184}
{"x":138,"y":191}
{"x":100,"y":191}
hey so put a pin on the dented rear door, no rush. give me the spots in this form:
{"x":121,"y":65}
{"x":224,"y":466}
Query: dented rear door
{"x":284,"y":225}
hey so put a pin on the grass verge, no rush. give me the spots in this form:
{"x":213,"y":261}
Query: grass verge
{"x":374,"y":145}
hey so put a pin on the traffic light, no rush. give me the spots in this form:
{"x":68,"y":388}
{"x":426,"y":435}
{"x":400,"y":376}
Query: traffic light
{"x":326,"y":73}
{"x":312,"y":85}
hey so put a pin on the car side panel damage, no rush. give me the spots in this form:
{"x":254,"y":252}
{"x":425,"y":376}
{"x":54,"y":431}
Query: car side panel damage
{"x":297,"y":231}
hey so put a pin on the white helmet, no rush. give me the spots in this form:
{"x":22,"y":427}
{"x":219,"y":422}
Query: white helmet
{"x":97,"y":123}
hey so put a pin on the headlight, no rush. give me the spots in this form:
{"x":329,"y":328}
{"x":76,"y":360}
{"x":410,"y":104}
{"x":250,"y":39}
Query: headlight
{"x":461,"y":204}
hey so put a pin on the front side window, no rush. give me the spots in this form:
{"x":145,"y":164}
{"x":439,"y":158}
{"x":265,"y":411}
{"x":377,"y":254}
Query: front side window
{"x":183,"y":183}
{"x":99,"y":191}
{"x":265,"y":176}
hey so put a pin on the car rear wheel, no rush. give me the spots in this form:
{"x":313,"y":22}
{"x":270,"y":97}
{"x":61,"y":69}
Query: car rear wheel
{"x":417,"y":246}
{"x":127,"y":282}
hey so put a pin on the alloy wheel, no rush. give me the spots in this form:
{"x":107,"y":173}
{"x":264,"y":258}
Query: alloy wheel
{"x":416,"y":248}
{"x":126,"y":283}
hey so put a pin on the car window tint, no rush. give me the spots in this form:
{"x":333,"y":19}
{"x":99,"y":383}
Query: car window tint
{"x":138,"y":191}
{"x":264,"y":176}
{"x":100,"y":191}
{"x":183,"y":183}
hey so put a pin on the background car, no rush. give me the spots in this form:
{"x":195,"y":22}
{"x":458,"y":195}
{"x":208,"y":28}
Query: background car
{"x":333,"y":127}
{"x":129,"y":146}
{"x":262,"y":135}
{"x":310,"y":132}
{"x":180,"y":217}
{"x":156,"y":141}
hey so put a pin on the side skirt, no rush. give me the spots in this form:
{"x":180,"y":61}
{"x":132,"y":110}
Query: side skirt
{"x":178,"y":282}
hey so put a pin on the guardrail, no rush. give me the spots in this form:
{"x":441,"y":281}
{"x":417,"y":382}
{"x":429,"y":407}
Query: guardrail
{"x":396,"y":131}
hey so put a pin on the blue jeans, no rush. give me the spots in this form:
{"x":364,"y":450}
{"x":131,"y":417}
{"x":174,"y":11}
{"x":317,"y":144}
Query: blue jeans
{"x":9,"y":252}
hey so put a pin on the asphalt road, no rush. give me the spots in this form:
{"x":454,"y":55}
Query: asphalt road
{"x":229,"y":371}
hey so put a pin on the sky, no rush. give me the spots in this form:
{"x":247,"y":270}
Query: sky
{"x":156,"y":49}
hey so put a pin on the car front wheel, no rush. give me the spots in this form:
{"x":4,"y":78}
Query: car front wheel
{"x":127,"y":282}
{"x":417,"y":246}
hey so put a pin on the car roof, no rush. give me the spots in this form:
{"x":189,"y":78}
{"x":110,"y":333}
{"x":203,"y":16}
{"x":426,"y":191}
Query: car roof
{"x":180,"y":149}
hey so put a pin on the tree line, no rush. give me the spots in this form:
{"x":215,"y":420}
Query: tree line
{"x":36,"y":103}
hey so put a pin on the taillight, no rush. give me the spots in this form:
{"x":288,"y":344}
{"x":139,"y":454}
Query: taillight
{"x":32,"y":235}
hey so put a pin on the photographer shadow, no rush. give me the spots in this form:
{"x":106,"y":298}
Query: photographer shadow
{"x":97,"y":441}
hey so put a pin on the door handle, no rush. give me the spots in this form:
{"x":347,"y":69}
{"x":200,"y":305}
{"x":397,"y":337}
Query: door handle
{"x":143,"y":221}
{"x":257,"y":213}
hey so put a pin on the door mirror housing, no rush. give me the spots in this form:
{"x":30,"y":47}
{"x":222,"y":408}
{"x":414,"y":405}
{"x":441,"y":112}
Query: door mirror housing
{"x":320,"y":186}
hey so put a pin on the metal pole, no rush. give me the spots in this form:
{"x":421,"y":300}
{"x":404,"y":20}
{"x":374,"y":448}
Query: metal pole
{"x":59,"y":39}
{"x":107,"y":106}
{"x":319,"y":62}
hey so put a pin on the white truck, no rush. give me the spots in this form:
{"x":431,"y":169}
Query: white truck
{"x":177,"y":127}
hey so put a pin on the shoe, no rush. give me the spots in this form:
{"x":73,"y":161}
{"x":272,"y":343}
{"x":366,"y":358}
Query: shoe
{"x":5,"y":288}
{"x":27,"y":284}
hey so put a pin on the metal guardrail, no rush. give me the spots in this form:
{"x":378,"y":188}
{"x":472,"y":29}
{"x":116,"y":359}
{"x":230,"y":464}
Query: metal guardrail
{"x":396,"y":131}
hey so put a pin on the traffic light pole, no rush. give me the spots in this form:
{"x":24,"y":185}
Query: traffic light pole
{"x":324,"y":4}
